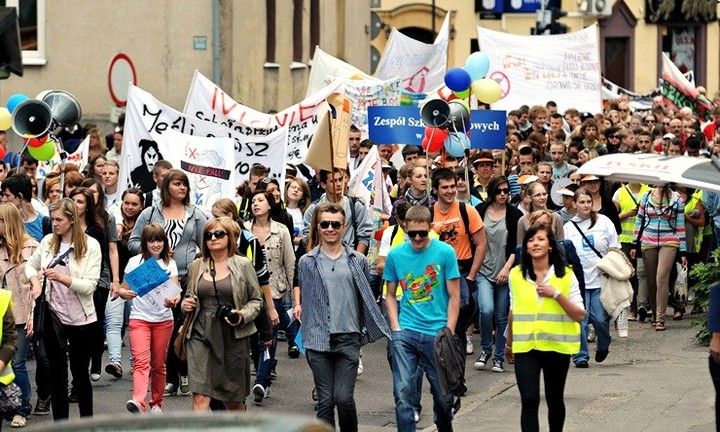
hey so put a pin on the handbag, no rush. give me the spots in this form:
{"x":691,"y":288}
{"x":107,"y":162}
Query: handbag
{"x":40,"y":308}
{"x":10,"y":400}
{"x":180,"y":344}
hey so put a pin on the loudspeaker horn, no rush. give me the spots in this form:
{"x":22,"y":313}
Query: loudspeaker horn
{"x":32,"y":118}
{"x":435,"y":113}
{"x":65,"y":108}
{"x":459,"y":117}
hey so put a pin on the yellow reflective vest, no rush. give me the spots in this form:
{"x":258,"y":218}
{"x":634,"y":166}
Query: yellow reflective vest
{"x":541,"y":323}
{"x":6,"y":375}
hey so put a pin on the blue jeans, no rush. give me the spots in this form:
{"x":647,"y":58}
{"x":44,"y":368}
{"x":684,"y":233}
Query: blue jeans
{"x":334,"y":374}
{"x":493,"y":302}
{"x":410,"y":350}
{"x":601,"y":321}
{"x":292,"y":329}
{"x":265,"y":366}
{"x":114,"y":317}
{"x":19,"y":367}
{"x":418,"y":373}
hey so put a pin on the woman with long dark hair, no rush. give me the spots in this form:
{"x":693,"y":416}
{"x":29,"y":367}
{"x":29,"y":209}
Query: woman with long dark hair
{"x":543,"y":331}
{"x":70,"y":262}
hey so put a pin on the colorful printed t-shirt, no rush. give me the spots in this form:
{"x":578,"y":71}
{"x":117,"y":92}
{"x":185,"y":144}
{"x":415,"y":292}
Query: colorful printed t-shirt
{"x":451,"y":229}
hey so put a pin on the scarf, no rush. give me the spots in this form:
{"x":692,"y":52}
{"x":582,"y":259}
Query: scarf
{"x":412,"y":199}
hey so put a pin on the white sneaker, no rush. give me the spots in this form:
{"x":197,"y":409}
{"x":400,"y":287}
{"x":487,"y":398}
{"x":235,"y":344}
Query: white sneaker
{"x":591,"y":336}
{"x":623,"y":333}
{"x":133,"y":406}
{"x":258,"y":392}
{"x":94,"y":377}
{"x":469,"y":349}
{"x":156,"y":410}
{"x":184,"y":388}
{"x":360,"y":367}
{"x":417,"y":416}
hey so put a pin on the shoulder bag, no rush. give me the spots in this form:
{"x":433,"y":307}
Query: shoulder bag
{"x":180,"y":345}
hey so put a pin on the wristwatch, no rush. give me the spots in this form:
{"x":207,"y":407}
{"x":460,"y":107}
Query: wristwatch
{"x":557,"y":294}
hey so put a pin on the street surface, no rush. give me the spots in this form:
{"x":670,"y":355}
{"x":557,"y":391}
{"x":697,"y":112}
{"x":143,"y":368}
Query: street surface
{"x":651,"y":381}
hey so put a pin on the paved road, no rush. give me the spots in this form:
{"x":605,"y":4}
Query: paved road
{"x":650,"y":382}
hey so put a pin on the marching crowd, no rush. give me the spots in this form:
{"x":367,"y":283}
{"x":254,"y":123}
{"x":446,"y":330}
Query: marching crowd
{"x":486,"y":245}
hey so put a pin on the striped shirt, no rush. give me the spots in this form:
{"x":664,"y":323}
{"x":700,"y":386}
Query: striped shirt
{"x":316,"y":302}
{"x":662,"y":224}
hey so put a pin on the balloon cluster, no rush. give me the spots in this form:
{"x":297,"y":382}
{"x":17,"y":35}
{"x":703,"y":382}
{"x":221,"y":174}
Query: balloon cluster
{"x":447,"y":124}
{"x":41,"y":147}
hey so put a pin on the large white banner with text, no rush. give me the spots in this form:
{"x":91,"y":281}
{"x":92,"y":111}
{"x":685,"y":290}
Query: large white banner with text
{"x":364,"y":94}
{"x":324,"y":64}
{"x":532,"y":70}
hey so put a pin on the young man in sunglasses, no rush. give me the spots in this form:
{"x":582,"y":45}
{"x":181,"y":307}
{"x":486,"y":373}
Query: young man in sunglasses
{"x":426,"y":270}
{"x":340,"y":316}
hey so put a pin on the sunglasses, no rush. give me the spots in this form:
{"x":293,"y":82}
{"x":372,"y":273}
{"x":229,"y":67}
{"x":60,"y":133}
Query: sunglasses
{"x":217,"y":234}
{"x":413,"y":234}
{"x":505,"y":191}
{"x":650,"y":121}
{"x":614,"y":136}
{"x":327,"y":224}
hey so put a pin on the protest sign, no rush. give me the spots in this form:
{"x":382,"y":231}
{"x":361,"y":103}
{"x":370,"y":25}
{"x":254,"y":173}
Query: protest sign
{"x":146,"y":277}
{"x":324,"y":64}
{"x":364,"y":94}
{"x":207,"y":101}
{"x":487,"y":129}
{"x":79,"y":158}
{"x":147,"y":139}
{"x":532,"y":70}
{"x":678,"y":92}
{"x":395,"y":125}
{"x":421,"y":66}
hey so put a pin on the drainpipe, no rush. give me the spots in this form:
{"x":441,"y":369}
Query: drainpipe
{"x":216,"y":63}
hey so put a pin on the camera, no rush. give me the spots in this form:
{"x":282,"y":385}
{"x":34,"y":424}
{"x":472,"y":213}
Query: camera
{"x":225,"y":311}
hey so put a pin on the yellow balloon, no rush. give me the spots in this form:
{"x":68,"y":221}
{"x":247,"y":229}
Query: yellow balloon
{"x":487,"y":90}
{"x":5,"y":119}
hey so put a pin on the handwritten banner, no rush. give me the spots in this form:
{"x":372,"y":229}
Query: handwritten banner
{"x":146,"y":277}
{"x":206,"y":101}
{"x":79,"y":158}
{"x":678,"y":92}
{"x":324,"y":65}
{"x":532,"y":70}
{"x":151,"y":129}
{"x":364,"y":94}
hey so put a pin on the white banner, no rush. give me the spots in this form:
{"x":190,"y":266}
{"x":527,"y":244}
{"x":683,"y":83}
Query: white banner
{"x":323,"y":64}
{"x":149,"y":137}
{"x":209,"y":164}
{"x":367,"y":183}
{"x":364,"y":93}
{"x":79,"y":158}
{"x":207,"y":101}
{"x":532,"y":70}
{"x":421,"y":66}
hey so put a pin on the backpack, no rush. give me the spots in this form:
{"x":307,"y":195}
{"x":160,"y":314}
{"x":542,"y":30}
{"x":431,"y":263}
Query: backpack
{"x":466,"y":223}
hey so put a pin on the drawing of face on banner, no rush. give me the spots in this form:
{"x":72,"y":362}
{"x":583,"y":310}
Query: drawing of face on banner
{"x":141,"y":175}
{"x":207,"y":182}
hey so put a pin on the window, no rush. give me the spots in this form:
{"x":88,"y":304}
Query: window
{"x":31,"y":14}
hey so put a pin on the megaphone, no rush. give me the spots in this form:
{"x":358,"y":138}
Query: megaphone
{"x":32,"y":118}
{"x":459,"y":117}
{"x":435,"y":113}
{"x":65,"y":107}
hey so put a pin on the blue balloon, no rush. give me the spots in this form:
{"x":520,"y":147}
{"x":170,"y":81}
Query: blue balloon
{"x":15,"y":100}
{"x":456,"y":144}
{"x":457,"y":79}
{"x":477,"y":65}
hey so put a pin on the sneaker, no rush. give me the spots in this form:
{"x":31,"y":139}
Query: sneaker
{"x":294,"y":352}
{"x":600,"y":356}
{"x":497,"y":366}
{"x":170,"y":389}
{"x":360,"y":367}
{"x":258,"y":394}
{"x":133,"y":406}
{"x":95,"y":376}
{"x":591,"y":336}
{"x":314,"y":395}
{"x":184,"y":389}
{"x":482,"y":361}
{"x":114,"y":369}
{"x":156,"y":410}
{"x":18,"y":421}
{"x":469,"y":348}
{"x":582,"y":364}
{"x":623,"y":333}
{"x":42,"y":407}
{"x":273,"y":374}
{"x":417,"y":415}
{"x":282,"y":336}
{"x":72,"y":396}
{"x":642,"y":313}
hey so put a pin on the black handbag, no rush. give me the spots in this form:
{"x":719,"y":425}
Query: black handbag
{"x":40,"y":308}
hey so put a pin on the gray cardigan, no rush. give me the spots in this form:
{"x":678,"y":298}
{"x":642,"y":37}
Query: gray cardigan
{"x":190,"y":241}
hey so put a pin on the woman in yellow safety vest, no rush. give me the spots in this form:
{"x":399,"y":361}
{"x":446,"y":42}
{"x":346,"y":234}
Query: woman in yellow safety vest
{"x":543,"y":330}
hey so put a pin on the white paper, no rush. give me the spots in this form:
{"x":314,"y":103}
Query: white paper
{"x":166,"y":290}
{"x":291,"y":315}
{"x":266,"y":355}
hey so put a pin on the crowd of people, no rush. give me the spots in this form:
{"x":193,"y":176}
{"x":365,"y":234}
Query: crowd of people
{"x":484,"y":245}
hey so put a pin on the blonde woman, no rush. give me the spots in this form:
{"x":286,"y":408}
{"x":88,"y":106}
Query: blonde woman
{"x":16,"y":246}
{"x":69,"y":262}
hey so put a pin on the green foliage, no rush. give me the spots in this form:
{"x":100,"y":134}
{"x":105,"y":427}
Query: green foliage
{"x":706,"y":276}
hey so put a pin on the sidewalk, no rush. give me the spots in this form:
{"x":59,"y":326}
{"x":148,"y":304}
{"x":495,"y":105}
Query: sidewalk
{"x":651,"y":381}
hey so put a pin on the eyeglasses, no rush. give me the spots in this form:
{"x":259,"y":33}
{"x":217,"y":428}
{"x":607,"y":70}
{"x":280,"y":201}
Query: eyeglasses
{"x":421,"y":233}
{"x":666,"y":123}
{"x":505,"y":191}
{"x":614,"y":136}
{"x":540,"y":195}
{"x":624,"y":110}
{"x":217,"y":234}
{"x":327,"y":224}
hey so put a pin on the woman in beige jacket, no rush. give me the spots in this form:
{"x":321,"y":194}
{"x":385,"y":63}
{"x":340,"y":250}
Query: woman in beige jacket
{"x":67,"y":264}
